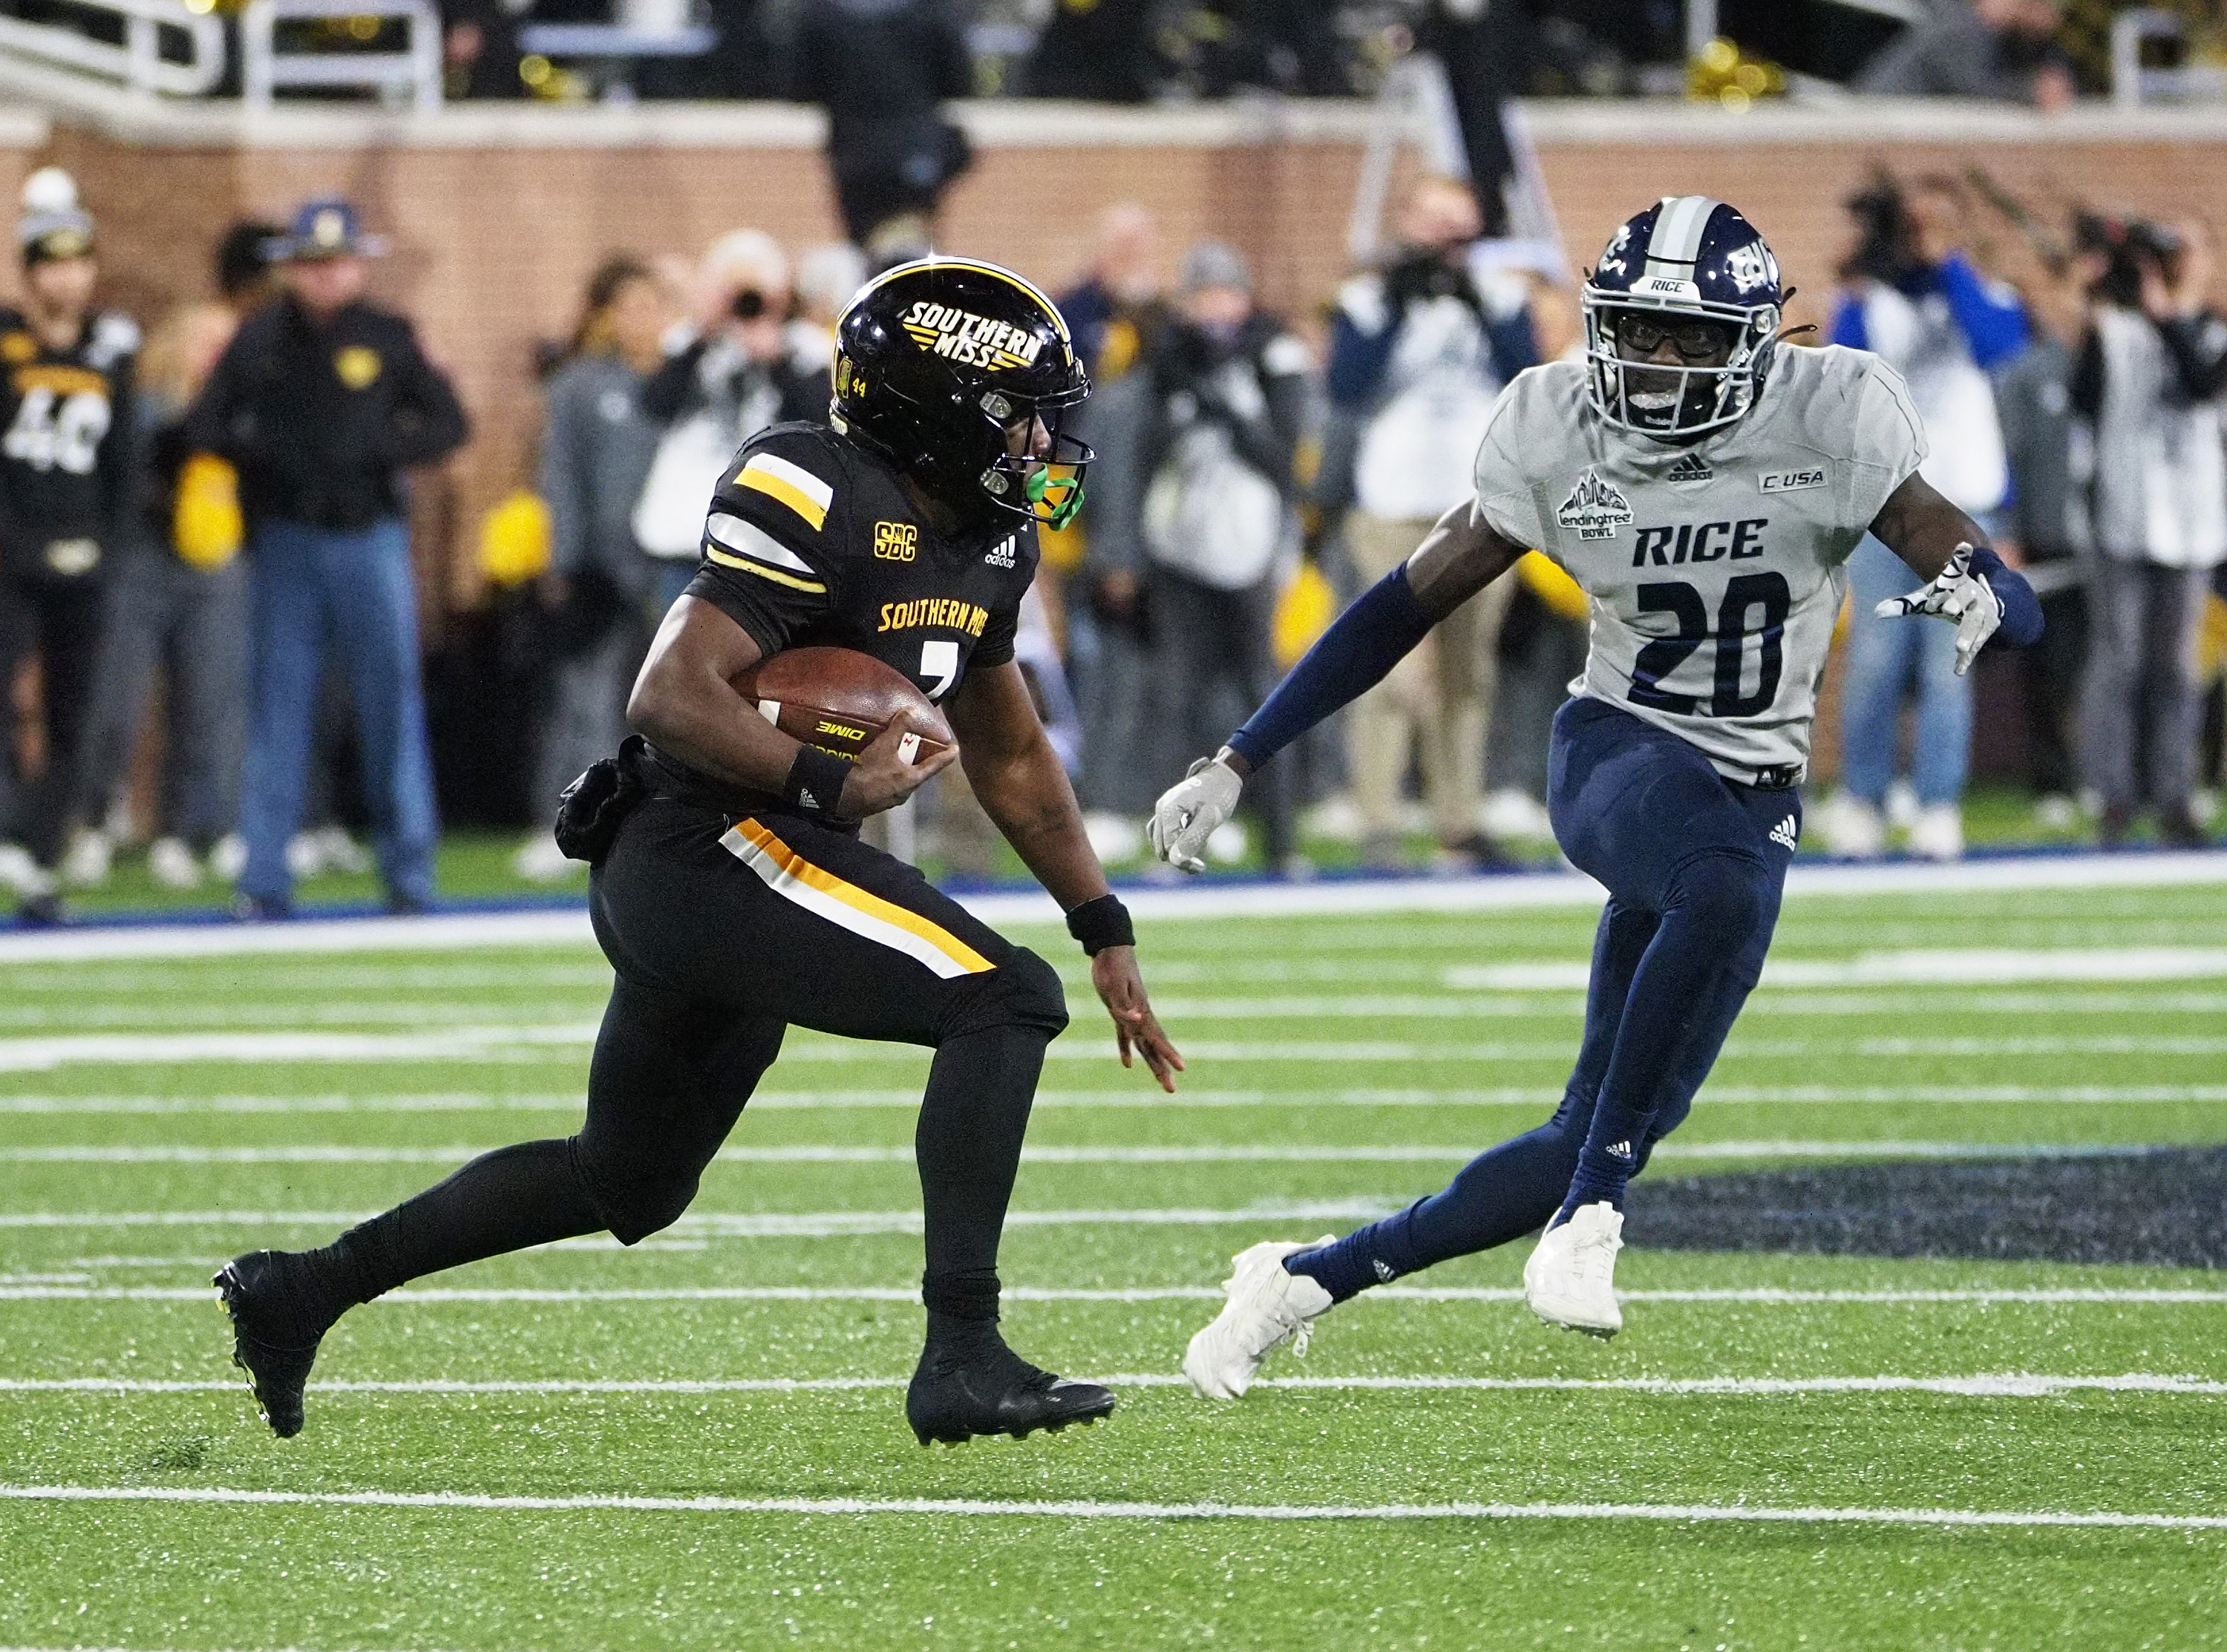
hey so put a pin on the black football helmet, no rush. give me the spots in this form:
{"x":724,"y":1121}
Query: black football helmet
{"x":1687,"y":258}
{"x":936,"y":358}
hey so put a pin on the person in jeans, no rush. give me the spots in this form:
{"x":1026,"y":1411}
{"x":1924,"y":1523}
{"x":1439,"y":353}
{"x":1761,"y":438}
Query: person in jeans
{"x":177,"y":601}
{"x":2152,"y":369}
{"x":1209,"y":444}
{"x":1419,"y":352}
{"x":1917,"y":301}
{"x":597,"y":447}
{"x":321,"y":400}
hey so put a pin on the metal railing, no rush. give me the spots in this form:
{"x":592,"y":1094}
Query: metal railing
{"x":2132,"y":84}
{"x":139,"y":62}
{"x":413,"y":73}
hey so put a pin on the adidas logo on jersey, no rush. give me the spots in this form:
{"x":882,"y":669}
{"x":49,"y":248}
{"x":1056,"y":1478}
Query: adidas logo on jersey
{"x":1001,"y":556}
{"x":1594,"y":508}
{"x":1691,"y":467}
{"x":1785,"y":832}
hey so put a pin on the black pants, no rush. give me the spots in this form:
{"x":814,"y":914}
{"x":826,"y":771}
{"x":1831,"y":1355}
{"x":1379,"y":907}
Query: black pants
{"x":61,"y":621}
{"x":725,"y":933}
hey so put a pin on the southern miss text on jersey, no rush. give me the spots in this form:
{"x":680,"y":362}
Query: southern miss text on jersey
{"x":64,"y":470}
{"x":1715,"y":570}
{"x":812,"y":541}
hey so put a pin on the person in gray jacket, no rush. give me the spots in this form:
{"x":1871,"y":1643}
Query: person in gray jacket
{"x":597,"y":447}
{"x":2151,"y":372}
{"x":1198,"y":486}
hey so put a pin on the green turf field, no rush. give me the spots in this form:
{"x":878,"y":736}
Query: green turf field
{"x":700,"y":1444}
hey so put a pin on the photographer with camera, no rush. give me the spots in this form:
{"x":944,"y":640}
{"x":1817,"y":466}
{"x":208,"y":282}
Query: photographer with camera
{"x":1197,"y":462}
{"x":1914,"y":297}
{"x":744,"y":364}
{"x":1419,"y":351}
{"x":2151,"y":371}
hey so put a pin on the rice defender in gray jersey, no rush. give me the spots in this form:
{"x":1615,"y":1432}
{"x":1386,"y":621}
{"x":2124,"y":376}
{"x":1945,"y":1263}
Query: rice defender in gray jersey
{"x":1714,"y":570}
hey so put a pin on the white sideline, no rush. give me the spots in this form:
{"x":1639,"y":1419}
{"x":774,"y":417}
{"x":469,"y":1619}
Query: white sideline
{"x":2007,"y":1386}
{"x":439,"y":1295}
{"x":1328,"y":898}
{"x":1690,"y":1514}
{"x":1866,"y":1147}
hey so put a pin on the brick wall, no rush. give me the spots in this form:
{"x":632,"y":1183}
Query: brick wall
{"x":497,"y":221}
{"x":493,"y":242}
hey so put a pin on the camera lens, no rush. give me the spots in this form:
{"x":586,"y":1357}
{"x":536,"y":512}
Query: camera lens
{"x":749,"y":304}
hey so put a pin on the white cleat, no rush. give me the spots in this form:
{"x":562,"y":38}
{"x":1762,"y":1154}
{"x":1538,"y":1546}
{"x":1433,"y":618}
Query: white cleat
{"x":1570,"y":1280}
{"x":1266,"y":1306}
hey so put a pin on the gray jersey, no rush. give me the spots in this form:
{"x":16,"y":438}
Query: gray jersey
{"x":1714,"y":570}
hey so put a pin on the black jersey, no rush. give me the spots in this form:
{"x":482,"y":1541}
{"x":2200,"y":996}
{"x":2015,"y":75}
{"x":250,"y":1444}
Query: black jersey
{"x":812,"y":541}
{"x":66,"y":468}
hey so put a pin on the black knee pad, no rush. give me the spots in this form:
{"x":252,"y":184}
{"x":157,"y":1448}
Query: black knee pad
{"x":1023,"y":991}
{"x":634,"y":1199}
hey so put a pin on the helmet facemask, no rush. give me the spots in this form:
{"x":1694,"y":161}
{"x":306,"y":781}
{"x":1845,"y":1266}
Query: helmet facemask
{"x":1674,"y":402}
{"x":1047,"y":487}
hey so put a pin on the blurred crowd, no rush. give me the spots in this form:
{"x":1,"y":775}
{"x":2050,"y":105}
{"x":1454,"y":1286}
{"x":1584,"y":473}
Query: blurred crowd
{"x":2042,"y":51}
{"x":211,"y":521}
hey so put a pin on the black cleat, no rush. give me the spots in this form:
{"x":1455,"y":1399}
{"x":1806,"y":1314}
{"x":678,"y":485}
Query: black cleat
{"x":274,"y":1339}
{"x":987,"y":1388}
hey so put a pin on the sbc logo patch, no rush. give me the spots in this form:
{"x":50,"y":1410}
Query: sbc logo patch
{"x":895,"y":541}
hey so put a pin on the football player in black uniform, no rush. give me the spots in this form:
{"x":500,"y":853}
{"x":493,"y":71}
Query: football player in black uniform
{"x":67,"y":475}
{"x":732,"y":893}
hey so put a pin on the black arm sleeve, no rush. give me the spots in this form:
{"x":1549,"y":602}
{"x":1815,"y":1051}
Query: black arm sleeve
{"x":118,"y":461}
{"x":2197,"y":345}
{"x":2088,"y":376}
{"x":667,"y":392}
{"x":428,"y":419}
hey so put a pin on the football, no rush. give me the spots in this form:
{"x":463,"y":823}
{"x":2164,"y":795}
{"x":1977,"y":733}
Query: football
{"x":840,"y":699}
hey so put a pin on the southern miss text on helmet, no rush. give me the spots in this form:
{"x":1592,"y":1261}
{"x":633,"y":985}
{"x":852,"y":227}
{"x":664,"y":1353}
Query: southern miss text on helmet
{"x":937,"y":360}
{"x":1686,"y":260}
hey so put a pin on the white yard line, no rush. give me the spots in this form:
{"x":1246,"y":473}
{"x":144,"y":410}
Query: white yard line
{"x":1919,"y":966}
{"x":1325,"y":898}
{"x":2005,"y":1386}
{"x":808,"y":1225}
{"x":1186,"y":1100}
{"x":1851,"y":1147}
{"x":1688,"y":1513}
{"x":27,"y":1289}
{"x":563,"y":1041}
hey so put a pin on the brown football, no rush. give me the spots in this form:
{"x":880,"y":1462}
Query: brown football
{"x":839,"y":699}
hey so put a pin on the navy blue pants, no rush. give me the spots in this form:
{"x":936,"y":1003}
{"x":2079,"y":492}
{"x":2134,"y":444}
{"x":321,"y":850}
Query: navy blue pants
{"x":1694,"y":866}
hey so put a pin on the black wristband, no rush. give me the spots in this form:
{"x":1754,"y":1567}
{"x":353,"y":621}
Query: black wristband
{"x":1101,"y":923}
{"x":815,"y":780}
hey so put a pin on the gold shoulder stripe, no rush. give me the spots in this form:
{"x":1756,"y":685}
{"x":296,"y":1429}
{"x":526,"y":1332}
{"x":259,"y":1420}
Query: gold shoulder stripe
{"x":775,"y":574}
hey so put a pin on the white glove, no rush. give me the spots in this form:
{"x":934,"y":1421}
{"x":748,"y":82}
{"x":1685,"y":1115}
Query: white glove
{"x":1191,"y":811}
{"x":1955,"y":593}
